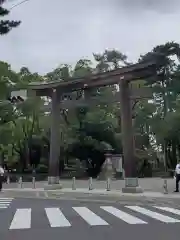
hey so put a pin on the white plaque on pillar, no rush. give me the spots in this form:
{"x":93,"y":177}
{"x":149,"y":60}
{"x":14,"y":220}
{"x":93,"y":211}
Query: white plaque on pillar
{"x":117,"y":162}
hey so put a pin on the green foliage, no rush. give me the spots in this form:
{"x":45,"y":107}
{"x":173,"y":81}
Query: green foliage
{"x":88,"y":131}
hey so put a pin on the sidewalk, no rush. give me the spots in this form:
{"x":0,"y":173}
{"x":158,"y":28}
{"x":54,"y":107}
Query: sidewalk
{"x":97,"y":192}
{"x":153,"y":188}
{"x":147,"y":184}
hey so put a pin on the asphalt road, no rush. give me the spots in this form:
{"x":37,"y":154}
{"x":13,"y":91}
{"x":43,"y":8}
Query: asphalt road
{"x":27,"y":219}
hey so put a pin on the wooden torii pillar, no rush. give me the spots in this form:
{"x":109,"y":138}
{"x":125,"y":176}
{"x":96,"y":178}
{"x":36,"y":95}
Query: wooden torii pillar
{"x":53,"y":175}
{"x":123,"y":77}
{"x":131,"y":180}
{"x":51,"y":90}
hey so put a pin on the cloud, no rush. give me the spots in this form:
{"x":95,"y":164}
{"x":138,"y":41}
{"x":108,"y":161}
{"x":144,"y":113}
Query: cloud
{"x":63,"y":31}
{"x":161,"y":6}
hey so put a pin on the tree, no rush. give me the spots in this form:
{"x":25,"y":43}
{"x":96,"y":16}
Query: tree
{"x":6,"y":25}
{"x":19,"y":119}
{"x":166,"y":86}
{"x":110,"y":59}
{"x":86,"y":130}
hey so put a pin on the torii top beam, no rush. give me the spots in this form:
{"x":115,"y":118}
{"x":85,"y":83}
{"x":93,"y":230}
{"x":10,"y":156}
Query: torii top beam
{"x":128,"y":73}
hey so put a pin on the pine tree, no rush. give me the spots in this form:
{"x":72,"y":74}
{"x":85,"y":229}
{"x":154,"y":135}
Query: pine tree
{"x":6,"y":25}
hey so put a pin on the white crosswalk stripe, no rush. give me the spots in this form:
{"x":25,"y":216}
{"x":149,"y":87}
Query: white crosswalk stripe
{"x":168,"y":209}
{"x":22,"y":218}
{"x":56,"y":218}
{"x":5,"y":202}
{"x":90,"y":217}
{"x":123,"y":216}
{"x":152,"y":214}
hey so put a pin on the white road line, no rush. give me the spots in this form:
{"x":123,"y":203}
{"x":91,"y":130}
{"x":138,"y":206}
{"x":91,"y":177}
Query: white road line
{"x":10,"y":199}
{"x":168,"y":209}
{"x":2,"y":203}
{"x":123,"y":216}
{"x":90,"y":217}
{"x":153,"y":214}
{"x":56,"y":218}
{"x":5,"y":202}
{"x":22,"y":219}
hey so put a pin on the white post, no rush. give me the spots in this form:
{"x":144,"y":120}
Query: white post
{"x":165,"y":186}
{"x":8,"y":180}
{"x":108,"y":188}
{"x":34,"y":182}
{"x":123,"y":173}
{"x":73,"y":183}
{"x":20,"y":182}
{"x":90,"y":184}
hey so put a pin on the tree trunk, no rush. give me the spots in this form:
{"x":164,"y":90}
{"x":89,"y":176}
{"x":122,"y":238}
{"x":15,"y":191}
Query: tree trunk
{"x":174,"y":155}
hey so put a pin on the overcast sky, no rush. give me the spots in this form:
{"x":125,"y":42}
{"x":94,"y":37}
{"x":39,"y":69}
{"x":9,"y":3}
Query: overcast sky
{"x":53,"y":32}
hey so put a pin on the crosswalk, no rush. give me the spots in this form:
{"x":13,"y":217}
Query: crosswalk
{"x":5,"y":202}
{"x":57,"y":217}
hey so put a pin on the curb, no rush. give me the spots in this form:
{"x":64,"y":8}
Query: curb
{"x":95,"y":192}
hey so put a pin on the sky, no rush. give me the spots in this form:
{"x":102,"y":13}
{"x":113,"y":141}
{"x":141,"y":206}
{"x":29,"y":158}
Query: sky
{"x":63,"y":31}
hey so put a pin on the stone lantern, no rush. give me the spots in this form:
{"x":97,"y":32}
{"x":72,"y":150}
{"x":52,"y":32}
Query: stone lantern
{"x":107,"y":170}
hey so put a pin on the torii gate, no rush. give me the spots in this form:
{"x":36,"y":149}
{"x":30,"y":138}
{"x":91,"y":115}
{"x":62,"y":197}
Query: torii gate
{"x":123,"y":77}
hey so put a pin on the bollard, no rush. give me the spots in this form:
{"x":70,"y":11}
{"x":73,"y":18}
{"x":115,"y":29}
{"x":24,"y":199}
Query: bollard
{"x":165,"y":186}
{"x":34,"y":182}
{"x":20,"y":182}
{"x":108,"y":188}
{"x":73,"y":183}
{"x":90,"y":184}
{"x":8,"y":180}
